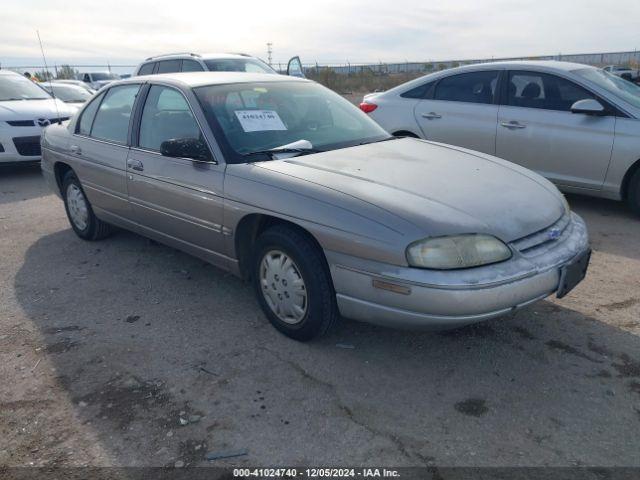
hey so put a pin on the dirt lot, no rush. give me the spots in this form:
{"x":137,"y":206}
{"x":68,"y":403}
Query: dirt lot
{"x":125,"y":352}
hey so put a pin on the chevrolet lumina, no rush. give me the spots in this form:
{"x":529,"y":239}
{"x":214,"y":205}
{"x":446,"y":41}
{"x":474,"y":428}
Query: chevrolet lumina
{"x":283,"y":182}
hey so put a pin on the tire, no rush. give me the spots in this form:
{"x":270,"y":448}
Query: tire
{"x":633,"y":195}
{"x":316,"y":297}
{"x":79,"y":212}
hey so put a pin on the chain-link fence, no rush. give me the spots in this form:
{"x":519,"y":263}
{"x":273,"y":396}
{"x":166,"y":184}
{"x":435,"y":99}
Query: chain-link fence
{"x":352,"y":76}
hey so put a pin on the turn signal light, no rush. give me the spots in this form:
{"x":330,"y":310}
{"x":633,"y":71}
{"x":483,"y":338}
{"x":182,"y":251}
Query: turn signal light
{"x":368,"y":107}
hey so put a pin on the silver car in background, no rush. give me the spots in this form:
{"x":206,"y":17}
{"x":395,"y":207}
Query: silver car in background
{"x":284,"y":182}
{"x":576,"y":125}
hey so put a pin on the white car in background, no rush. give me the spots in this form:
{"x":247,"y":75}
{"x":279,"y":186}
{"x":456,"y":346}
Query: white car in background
{"x":576,"y":125}
{"x":97,"y":80}
{"x":25,"y":109}
{"x":77,"y":83}
{"x":73,"y":95}
{"x":193,"y":62}
{"x":623,"y":72}
{"x":212,"y":62}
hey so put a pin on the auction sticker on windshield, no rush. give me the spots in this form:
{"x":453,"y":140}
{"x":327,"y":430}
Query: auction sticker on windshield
{"x":259,"y":120}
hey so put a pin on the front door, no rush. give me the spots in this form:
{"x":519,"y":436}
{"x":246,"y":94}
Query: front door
{"x":462,"y":112}
{"x":178,"y":199}
{"x":537,"y":130}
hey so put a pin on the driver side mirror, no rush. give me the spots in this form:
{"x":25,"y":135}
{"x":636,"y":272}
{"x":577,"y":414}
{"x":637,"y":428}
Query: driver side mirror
{"x":294,"y":68}
{"x":192,"y":148}
{"x":588,"y":106}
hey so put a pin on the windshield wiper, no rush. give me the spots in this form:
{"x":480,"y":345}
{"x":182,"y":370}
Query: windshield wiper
{"x":274,"y":151}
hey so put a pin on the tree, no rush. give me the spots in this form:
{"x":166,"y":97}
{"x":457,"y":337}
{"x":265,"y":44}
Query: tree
{"x":66,"y":72}
{"x":43,"y":75}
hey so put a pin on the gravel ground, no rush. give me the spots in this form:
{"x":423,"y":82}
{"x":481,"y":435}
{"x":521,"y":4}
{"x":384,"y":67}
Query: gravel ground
{"x":126,"y":352}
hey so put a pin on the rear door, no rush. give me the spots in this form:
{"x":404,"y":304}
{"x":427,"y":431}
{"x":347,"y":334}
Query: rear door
{"x":178,"y":199}
{"x":100,"y":148}
{"x":462,"y":110}
{"x":537,"y":130}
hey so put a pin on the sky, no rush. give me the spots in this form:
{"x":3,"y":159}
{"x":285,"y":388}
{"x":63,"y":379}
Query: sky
{"x":327,"y":31}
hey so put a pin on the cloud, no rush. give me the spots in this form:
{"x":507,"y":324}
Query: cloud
{"x":322,"y":31}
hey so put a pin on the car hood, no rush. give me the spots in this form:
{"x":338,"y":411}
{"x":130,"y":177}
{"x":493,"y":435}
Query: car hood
{"x":34,"y":109}
{"x":439,"y":188}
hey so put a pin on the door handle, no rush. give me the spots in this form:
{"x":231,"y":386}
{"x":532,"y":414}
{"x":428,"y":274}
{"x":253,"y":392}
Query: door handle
{"x":135,"y":165}
{"x":75,"y":149}
{"x":513,"y":125}
{"x":431,"y":115}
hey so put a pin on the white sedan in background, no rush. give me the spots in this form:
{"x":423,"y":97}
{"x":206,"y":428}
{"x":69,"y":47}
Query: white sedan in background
{"x":579,"y":126}
{"x":25,"y":109}
{"x":73,"y":95}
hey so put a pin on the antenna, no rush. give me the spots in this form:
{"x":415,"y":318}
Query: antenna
{"x":46,"y":69}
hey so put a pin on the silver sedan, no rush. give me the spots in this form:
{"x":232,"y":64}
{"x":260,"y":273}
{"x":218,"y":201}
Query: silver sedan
{"x":576,"y":125}
{"x":284,"y":182}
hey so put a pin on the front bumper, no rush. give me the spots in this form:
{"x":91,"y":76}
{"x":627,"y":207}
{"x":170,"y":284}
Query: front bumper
{"x":19,"y":144}
{"x":446,"y":299}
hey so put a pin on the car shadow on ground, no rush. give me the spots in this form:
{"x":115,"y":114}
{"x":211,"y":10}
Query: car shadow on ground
{"x":166,"y":358}
{"x":17,"y":183}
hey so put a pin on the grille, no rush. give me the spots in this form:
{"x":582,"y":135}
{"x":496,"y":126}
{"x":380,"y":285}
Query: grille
{"x":536,"y":242}
{"x":32,"y":123}
{"x":21,"y":123}
{"x":28,"y":146}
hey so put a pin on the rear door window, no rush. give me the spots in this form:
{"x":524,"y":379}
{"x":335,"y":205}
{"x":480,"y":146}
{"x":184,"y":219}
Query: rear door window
{"x":423,"y":91}
{"x":169,"y":66}
{"x":191,"y":66}
{"x":473,"y":87}
{"x":113,"y":116}
{"x":87,"y":116}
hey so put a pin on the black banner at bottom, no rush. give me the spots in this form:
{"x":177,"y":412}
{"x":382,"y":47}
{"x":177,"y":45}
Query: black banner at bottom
{"x":404,"y":473}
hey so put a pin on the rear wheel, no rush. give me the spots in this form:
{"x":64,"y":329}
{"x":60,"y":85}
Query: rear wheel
{"x":79,"y":212}
{"x":293,"y":283}
{"x":633,"y":197}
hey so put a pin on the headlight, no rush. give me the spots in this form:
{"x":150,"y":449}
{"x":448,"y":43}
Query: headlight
{"x":459,"y":251}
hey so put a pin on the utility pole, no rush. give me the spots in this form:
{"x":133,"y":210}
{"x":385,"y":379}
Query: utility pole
{"x":269,"y":51}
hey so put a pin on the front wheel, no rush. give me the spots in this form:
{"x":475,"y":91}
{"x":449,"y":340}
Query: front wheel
{"x":81,"y":217}
{"x":633,"y":197}
{"x":293,"y":283}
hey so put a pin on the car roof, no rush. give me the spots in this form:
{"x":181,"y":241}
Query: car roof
{"x":8,"y":72}
{"x":551,"y":64}
{"x":199,"y":79}
{"x":204,"y":56}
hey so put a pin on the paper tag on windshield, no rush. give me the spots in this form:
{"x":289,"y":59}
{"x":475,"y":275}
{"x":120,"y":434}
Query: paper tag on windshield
{"x":259,"y":120}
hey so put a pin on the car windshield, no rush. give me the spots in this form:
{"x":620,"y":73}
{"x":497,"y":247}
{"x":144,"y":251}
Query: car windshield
{"x":254,"y":117}
{"x":238,"y":65}
{"x":104,"y":76}
{"x":618,"y":87}
{"x":70,"y":93}
{"x":17,"y":87}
